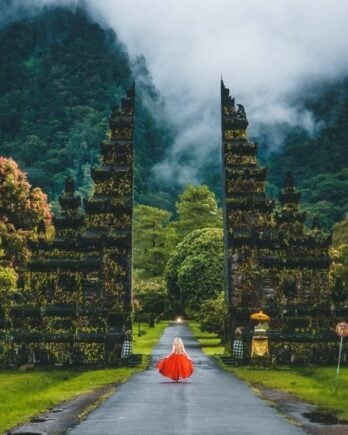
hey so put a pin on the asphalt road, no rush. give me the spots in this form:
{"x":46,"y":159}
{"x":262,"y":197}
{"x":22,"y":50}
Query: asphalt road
{"x":211,"y":402}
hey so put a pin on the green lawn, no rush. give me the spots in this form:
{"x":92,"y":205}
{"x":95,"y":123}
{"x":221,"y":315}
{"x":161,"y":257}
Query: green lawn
{"x":25,"y":394}
{"x":211,"y":344}
{"x":150,"y":336}
{"x":312,"y":384}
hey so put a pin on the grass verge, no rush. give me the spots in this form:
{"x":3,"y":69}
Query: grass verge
{"x":210,"y":343}
{"x":312,"y":384}
{"x":25,"y":394}
{"x":150,"y":336}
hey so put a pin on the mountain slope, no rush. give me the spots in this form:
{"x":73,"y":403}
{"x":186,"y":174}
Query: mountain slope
{"x":60,"y":75}
{"x":320,"y":162}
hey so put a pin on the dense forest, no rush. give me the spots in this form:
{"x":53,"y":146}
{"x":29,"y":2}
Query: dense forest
{"x":60,"y":75}
{"x":318,"y":160}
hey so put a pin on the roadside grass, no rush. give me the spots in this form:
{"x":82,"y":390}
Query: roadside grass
{"x":150,"y":336}
{"x":26,"y":394}
{"x":210,"y":343}
{"x":312,"y":384}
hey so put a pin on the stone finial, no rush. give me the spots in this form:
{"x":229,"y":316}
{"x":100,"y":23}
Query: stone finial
{"x":69,"y":185}
{"x":316,"y":225}
{"x":289,"y":184}
{"x":226,"y":99}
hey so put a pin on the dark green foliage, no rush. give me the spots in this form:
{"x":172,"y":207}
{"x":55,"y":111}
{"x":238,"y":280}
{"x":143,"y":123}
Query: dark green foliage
{"x":150,"y":253}
{"x":194,"y":271}
{"x":60,"y":75}
{"x":152,"y":297}
{"x":319,"y":163}
{"x":196,"y":208}
{"x":212,"y":314}
{"x":155,"y":241}
{"x":153,"y":135}
{"x":57,"y":83}
{"x":211,"y":174}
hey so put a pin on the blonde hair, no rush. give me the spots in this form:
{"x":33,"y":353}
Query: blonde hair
{"x":178,"y":345}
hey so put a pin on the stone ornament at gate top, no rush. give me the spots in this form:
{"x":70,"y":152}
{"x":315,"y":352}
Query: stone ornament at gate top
{"x":342,"y":329}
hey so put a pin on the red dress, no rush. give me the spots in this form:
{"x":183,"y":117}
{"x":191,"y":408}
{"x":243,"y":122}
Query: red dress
{"x":175,"y":366}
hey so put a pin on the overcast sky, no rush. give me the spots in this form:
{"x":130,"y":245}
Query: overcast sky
{"x":266,"y":51}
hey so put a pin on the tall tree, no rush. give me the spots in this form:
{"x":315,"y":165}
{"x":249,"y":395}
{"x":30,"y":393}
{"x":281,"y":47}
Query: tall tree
{"x":195,"y":270}
{"x":150,"y":251}
{"x":21,"y":210}
{"x":151,"y":298}
{"x":196,"y":208}
{"x":212,"y":314}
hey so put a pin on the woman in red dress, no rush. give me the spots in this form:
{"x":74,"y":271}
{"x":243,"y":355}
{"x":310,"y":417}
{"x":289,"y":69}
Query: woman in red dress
{"x":177,"y":365}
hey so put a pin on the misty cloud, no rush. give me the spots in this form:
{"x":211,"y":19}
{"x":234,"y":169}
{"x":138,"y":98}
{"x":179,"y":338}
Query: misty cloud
{"x":267,"y":52}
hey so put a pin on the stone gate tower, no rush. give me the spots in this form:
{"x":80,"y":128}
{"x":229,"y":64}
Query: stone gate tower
{"x":76,"y":304}
{"x":247,"y":219}
{"x":273,"y":262}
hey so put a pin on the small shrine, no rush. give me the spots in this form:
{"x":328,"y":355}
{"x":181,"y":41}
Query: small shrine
{"x":273,"y":262}
{"x":76,"y":300}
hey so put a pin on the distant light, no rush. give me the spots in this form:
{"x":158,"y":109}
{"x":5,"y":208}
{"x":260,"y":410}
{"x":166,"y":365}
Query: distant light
{"x":178,"y":320}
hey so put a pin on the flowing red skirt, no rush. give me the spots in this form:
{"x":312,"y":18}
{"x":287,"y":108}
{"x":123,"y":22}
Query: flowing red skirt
{"x":175,"y":366}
